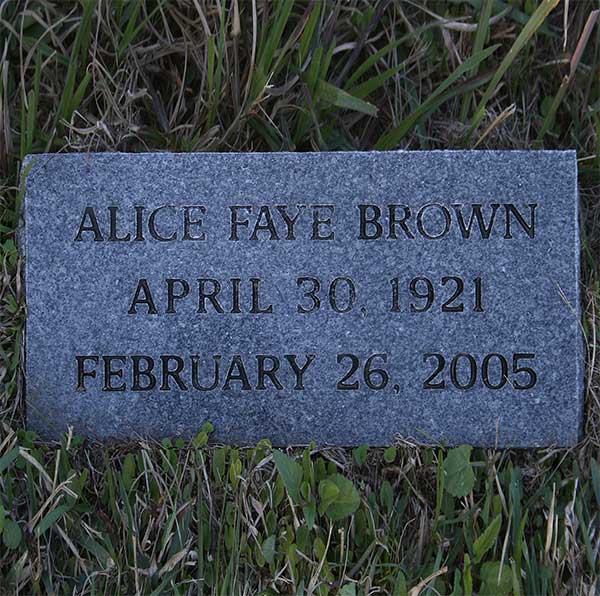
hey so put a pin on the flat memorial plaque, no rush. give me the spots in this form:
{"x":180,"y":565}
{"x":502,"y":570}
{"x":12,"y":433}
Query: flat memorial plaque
{"x":345,"y":298}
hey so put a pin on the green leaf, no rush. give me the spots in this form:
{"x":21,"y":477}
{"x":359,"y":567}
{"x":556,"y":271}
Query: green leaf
{"x":6,"y":460}
{"x":310,"y":512}
{"x":348,"y":590}
{"x":128,"y":473}
{"x":268,"y":549}
{"x":495,"y":579}
{"x":458,"y":472}
{"x":386,"y":495}
{"x":200,"y":440}
{"x":95,"y":549}
{"x":291,"y":473}
{"x":360,"y":454}
{"x":11,"y":535}
{"x":400,"y":588}
{"x":342,"y":99}
{"x":487,"y":539}
{"x":347,"y":500}
{"x":389,"y":455}
{"x":51,"y":518}
{"x":467,"y":576}
{"x":328,"y":493}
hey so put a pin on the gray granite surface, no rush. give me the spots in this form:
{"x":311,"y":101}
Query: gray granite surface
{"x":125,"y":329}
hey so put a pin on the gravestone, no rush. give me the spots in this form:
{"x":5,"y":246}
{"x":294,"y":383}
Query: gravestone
{"x":345,"y":298}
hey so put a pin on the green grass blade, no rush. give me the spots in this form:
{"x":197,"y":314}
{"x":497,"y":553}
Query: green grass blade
{"x":78,"y":56}
{"x":50,"y":519}
{"x":218,"y":72}
{"x":533,"y":24}
{"x":342,"y":99}
{"x":549,"y":118}
{"x":518,"y":16}
{"x":371,"y":61}
{"x":130,"y":29}
{"x":481,"y":34}
{"x":7,"y":459}
{"x":564,"y":85}
{"x":308,"y":34}
{"x":391,"y":139}
{"x":266,"y":52}
{"x":375,"y":83}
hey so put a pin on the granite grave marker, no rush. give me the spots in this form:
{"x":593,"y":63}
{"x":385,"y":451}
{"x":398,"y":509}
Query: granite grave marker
{"x":345,"y":298}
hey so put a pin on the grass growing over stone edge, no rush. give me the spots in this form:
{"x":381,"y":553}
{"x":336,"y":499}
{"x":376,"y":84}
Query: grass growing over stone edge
{"x":184,"y":517}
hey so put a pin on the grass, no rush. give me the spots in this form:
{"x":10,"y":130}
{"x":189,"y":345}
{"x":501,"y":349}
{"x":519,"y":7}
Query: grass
{"x":188,"y":517}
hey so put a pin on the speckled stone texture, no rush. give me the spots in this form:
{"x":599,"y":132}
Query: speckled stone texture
{"x":80,"y":295}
